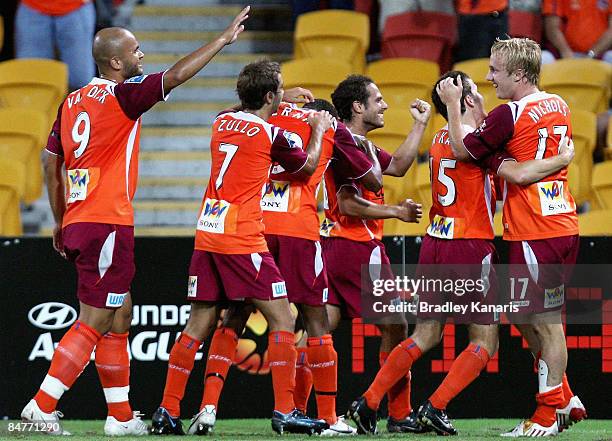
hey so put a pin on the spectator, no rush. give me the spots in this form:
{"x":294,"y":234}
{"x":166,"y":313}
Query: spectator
{"x":392,"y":7}
{"x":43,"y":26}
{"x":578,"y":28}
{"x":480,"y":23}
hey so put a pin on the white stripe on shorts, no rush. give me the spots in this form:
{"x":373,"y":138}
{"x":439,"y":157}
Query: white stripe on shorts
{"x":531,"y":260}
{"x":106,"y":254}
{"x":375,"y":261}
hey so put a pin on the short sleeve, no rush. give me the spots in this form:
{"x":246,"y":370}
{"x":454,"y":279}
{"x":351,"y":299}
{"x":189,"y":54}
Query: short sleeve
{"x":138,"y":94}
{"x":493,"y":161}
{"x":492,"y":135}
{"x":355,"y":162}
{"x":286,"y":152}
{"x":384,"y":158}
{"x":54,"y":142}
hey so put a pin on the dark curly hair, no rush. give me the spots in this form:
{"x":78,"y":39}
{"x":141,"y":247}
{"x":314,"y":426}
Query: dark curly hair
{"x":467,"y":90}
{"x":321,"y":104}
{"x":353,"y":88}
{"x":255,"y":81}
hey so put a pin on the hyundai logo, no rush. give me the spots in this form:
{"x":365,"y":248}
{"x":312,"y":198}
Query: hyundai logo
{"x":52,"y":315}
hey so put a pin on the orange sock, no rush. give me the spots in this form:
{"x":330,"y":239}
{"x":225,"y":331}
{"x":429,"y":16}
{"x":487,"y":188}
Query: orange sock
{"x":303,"y":380}
{"x":220,"y":358}
{"x":323,"y":362}
{"x":69,"y":359}
{"x":113,"y":365}
{"x":399,"y":395}
{"x":395,"y":368}
{"x":548,"y":403}
{"x":465,"y":369}
{"x":180,"y":364}
{"x":567,"y":391}
{"x":281,"y":357}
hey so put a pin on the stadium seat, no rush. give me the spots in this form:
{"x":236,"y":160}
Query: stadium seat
{"x":22,"y":137}
{"x":401,"y":80}
{"x":477,"y":70}
{"x":34,"y":83}
{"x":580,"y":170}
{"x":525,"y":24}
{"x":608,"y":148}
{"x":595,"y":223}
{"x":582,"y":83}
{"x":334,"y":34}
{"x":12,"y":186}
{"x":423,"y":34}
{"x":320,"y":75}
{"x":498,"y":226}
{"x":602,"y":185}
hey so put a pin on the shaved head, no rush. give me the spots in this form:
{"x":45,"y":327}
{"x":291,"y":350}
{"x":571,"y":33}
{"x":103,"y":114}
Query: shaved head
{"x":112,"y":48}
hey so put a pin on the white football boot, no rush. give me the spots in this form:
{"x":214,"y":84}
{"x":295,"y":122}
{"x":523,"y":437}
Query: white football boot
{"x":31,"y":413}
{"x":204,"y":422}
{"x":133,"y":427}
{"x":340,"y":428}
{"x":531,"y":429}
{"x":570,"y":414}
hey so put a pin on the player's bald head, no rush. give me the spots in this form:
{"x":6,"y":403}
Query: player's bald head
{"x":109,"y":43}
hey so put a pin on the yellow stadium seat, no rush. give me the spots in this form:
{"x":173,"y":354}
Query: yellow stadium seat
{"x":582,"y":83}
{"x":423,"y":184}
{"x":477,"y":70}
{"x":334,"y":34}
{"x":580,"y":170}
{"x":22,"y":137}
{"x":602,"y":185}
{"x":498,"y":226}
{"x":401,"y":80}
{"x":595,"y":223}
{"x":608,"y":148}
{"x":320,"y":75}
{"x":398,"y":123}
{"x":12,"y":186}
{"x":34,"y":83}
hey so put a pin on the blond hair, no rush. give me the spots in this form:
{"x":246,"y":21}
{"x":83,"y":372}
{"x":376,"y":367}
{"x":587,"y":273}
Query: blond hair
{"x":520,"y":53}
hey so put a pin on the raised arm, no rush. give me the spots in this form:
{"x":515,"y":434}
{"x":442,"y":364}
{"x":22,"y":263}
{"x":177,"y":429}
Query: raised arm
{"x":406,"y":153}
{"x":319,"y":122}
{"x":191,"y":64}
{"x":351,"y":204}
{"x":450,"y":94}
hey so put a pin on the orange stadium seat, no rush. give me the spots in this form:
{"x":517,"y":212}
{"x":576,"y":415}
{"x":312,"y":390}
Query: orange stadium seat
{"x":582,"y":83}
{"x":602,"y":185}
{"x":423,"y":34}
{"x":477,"y":70}
{"x":401,"y":80}
{"x":595,"y":223}
{"x":22,"y":137}
{"x":580,"y":170}
{"x":12,"y":186}
{"x":525,"y":24}
{"x":334,"y":34}
{"x":320,"y":75}
{"x":34,"y":83}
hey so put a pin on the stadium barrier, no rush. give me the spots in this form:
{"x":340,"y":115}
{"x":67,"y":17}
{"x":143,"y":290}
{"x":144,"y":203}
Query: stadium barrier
{"x":38,"y":288}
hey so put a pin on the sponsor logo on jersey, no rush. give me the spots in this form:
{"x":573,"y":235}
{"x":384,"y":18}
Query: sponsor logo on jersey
{"x":554,"y":297}
{"x":115,"y":300}
{"x":279,"y":289}
{"x":78,"y":179}
{"x":275,"y":196}
{"x":212,"y":217}
{"x":552,"y":198}
{"x":136,"y":80}
{"x":192,"y":286}
{"x":442,"y":227}
{"x":326,"y":227}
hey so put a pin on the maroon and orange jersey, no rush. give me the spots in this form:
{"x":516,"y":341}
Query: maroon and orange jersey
{"x":243,"y":147}
{"x":462,"y":194}
{"x":289,"y":204}
{"x":530,"y":128}
{"x":97,"y":131}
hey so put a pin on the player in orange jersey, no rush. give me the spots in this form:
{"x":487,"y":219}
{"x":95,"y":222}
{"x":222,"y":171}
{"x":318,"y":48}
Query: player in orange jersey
{"x":292,"y":231}
{"x":354,"y":220}
{"x":458,"y":245}
{"x":540,"y":220}
{"x":231,"y":261}
{"x":96,"y":137}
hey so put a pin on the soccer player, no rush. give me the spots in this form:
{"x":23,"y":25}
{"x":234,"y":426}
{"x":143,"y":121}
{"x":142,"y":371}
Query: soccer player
{"x":292,"y":233}
{"x":458,"y":244}
{"x":540,"y":221}
{"x":96,"y":137}
{"x":354,"y":216}
{"x":231,"y":261}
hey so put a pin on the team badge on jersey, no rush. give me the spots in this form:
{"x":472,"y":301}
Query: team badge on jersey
{"x":293,"y":139}
{"x":212,"y":217}
{"x":275,"y":196}
{"x":326,"y":227}
{"x":78,"y":180}
{"x":442,"y":227}
{"x":552,"y":198}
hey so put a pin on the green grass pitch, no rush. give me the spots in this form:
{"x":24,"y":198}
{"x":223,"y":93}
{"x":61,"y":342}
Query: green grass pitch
{"x":243,"y":430}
